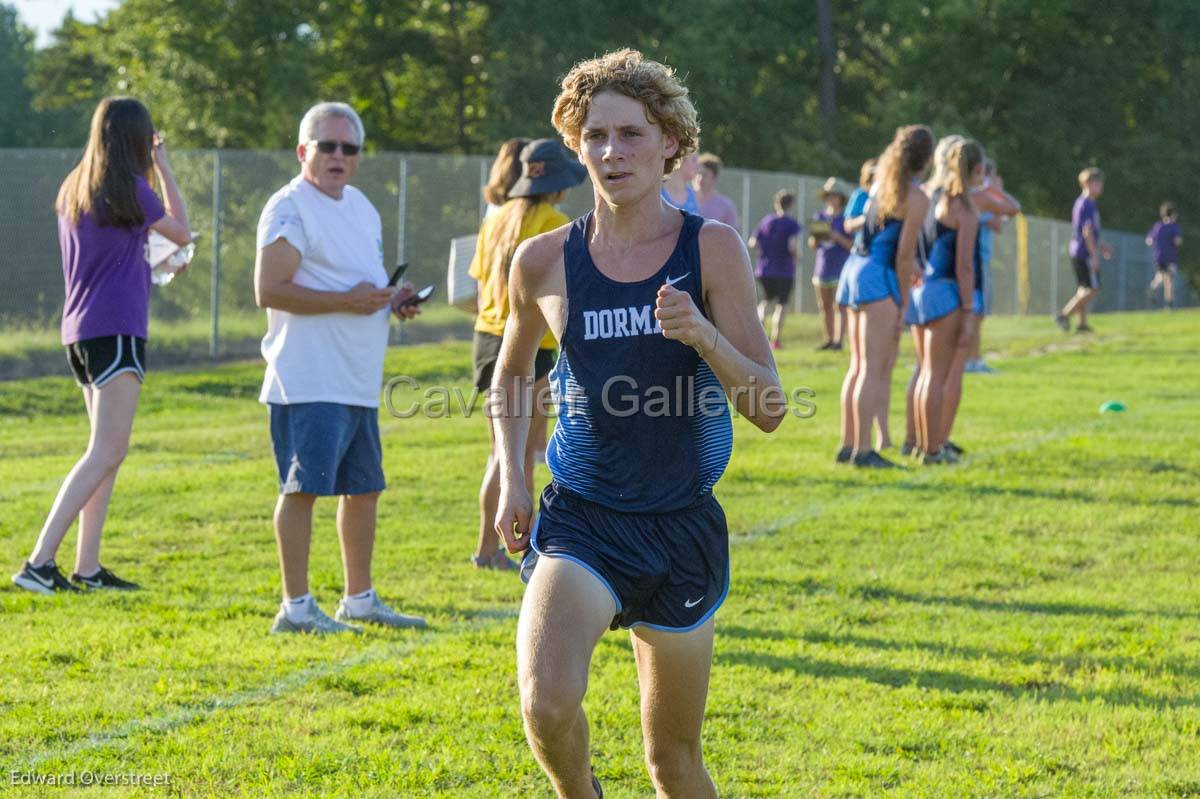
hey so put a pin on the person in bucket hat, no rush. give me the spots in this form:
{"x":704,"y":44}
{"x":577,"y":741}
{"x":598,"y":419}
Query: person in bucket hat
{"x":548,"y":169}
{"x":831,"y":244}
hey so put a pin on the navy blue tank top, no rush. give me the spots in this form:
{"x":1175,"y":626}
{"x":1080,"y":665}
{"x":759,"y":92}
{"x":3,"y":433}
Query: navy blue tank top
{"x":643,"y":423}
{"x":880,"y":241}
{"x":943,"y":256}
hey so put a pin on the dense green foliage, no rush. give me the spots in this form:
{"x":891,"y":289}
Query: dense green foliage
{"x":1049,"y":87}
{"x":1022,"y":625}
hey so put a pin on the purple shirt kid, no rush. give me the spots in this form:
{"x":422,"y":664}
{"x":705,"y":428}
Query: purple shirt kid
{"x":106,"y":275}
{"x":1163,"y":236}
{"x":772,"y":237}
{"x":1084,"y":213}
{"x":831,"y":256}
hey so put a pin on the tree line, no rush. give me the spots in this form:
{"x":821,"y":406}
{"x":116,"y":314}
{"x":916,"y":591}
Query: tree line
{"x":814,"y":86}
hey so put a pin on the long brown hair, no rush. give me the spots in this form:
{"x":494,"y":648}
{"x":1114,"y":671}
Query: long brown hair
{"x":906,"y":157}
{"x":506,"y":170}
{"x":963,"y":159}
{"x":505,"y":236}
{"x":118,"y":150}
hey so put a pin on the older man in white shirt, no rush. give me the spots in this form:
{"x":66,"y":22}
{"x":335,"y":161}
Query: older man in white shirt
{"x":320,"y":276}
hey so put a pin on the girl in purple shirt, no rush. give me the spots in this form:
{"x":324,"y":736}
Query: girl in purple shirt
{"x":106,"y":209}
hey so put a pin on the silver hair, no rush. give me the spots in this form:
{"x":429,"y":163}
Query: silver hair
{"x":308,"y":125}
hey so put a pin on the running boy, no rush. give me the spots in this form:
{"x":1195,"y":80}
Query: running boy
{"x":653,"y":309}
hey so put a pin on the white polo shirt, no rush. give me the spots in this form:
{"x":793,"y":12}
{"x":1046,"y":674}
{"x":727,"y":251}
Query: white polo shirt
{"x":331,"y":357}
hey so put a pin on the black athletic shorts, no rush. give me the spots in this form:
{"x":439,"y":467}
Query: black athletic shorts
{"x":1084,"y":276}
{"x":485,"y":350}
{"x":777,"y":289}
{"x":1168,"y":268}
{"x":95,"y":361}
{"x":667,"y":571}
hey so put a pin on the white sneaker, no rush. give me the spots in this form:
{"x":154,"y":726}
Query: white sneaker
{"x":314,"y":622}
{"x":378,"y":613}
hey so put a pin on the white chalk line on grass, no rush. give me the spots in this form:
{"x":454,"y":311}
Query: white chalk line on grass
{"x":181,"y":717}
{"x":295,"y":681}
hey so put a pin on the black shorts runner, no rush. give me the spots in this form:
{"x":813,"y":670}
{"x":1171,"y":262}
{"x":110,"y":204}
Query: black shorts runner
{"x":485,"y":350}
{"x":777,"y":289}
{"x":95,"y":361}
{"x":667,"y":571}
{"x":1084,"y":276}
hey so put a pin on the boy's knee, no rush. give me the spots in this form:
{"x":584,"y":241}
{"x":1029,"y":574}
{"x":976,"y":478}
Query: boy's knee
{"x":548,"y":706}
{"x":673,"y":763}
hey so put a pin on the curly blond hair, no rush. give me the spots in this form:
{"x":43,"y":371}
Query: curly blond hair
{"x":629,"y":73}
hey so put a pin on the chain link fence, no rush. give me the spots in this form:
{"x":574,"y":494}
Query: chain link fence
{"x":425,"y":200}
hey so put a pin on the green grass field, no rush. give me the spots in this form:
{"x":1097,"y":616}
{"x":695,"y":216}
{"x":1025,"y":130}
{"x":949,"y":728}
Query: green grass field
{"x":36,"y":351}
{"x":1025,"y":624}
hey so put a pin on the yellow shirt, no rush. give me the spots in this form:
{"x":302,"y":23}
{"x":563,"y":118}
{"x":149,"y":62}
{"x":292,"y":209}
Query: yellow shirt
{"x":542,"y":218}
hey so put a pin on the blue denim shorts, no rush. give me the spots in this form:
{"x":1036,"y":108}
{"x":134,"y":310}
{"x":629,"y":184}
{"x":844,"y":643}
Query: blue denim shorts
{"x":327,"y":449}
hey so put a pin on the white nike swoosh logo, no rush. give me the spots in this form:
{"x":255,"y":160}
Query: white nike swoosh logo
{"x":692,"y":604}
{"x":671,"y":281}
{"x":48,"y":582}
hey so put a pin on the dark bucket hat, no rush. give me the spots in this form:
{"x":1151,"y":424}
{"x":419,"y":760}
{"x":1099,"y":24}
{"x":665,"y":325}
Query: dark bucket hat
{"x":547,"y":166}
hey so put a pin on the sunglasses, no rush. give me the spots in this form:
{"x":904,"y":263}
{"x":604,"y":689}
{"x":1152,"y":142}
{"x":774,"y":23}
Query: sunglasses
{"x":330,"y":147}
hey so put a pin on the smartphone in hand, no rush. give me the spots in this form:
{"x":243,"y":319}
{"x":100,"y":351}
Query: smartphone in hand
{"x":418,"y":298}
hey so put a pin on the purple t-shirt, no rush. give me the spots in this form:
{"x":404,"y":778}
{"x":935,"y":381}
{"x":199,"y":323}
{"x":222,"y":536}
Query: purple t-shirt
{"x":1162,"y":237}
{"x":1085,"y":212}
{"x":772,"y":236}
{"x":831,"y":256}
{"x":106,"y":275}
{"x":720,"y":208}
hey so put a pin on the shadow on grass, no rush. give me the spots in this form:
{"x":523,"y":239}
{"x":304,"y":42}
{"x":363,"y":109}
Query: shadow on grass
{"x":880,"y":592}
{"x":938,"y":680}
{"x":874,"y":592}
{"x":1068,"y":663}
{"x":938,"y":489}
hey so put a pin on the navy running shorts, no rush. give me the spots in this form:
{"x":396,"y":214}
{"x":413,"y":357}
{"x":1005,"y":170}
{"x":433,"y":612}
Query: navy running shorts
{"x":327,"y":449}
{"x":666,"y":571}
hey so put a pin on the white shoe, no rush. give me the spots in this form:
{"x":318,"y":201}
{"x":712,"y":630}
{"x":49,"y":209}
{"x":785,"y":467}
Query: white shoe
{"x":378,"y":613}
{"x":314,"y":622}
